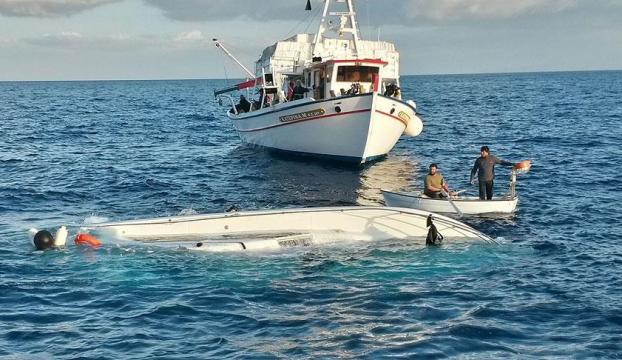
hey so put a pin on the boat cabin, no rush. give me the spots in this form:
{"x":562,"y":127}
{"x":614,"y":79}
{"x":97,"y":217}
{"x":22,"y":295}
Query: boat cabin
{"x":334,"y":78}
{"x":333,"y":62}
{"x":322,"y":80}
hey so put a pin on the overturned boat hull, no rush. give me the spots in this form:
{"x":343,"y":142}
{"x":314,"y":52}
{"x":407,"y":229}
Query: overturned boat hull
{"x":466,"y":205}
{"x":276,"y":229}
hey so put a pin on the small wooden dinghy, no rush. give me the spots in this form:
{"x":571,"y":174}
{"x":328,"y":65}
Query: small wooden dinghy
{"x":468,"y":205}
{"x":276,"y":229}
{"x":460,"y":205}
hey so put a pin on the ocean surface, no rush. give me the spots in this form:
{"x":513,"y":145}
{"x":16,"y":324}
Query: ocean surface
{"x":81,"y":152}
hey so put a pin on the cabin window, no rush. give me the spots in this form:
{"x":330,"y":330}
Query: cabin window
{"x":356,"y":73}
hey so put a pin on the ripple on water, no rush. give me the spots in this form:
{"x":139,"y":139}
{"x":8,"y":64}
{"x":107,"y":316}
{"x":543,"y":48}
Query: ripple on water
{"x":89,"y":152}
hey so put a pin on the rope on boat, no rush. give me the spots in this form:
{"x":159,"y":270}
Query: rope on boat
{"x":309,"y":15}
{"x":312,"y":19}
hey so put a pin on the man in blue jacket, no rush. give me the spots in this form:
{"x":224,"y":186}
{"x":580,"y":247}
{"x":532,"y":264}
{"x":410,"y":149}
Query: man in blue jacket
{"x":484,"y":167}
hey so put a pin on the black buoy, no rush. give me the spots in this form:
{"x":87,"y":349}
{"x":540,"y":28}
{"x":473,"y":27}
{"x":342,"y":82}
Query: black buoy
{"x":43,"y":240}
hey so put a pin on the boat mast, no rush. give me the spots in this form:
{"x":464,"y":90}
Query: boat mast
{"x":344,"y":17}
{"x":221,"y":47}
{"x":322,"y":28}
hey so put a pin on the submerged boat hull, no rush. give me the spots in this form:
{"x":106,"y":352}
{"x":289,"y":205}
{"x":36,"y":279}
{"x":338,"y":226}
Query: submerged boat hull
{"x":275,"y":229}
{"x":349,"y":128}
{"x":466,"y":205}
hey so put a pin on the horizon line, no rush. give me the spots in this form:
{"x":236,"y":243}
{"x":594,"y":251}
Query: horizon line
{"x":235,"y":78}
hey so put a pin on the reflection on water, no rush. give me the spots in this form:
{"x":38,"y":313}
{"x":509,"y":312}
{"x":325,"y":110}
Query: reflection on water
{"x":396,"y":172}
{"x":299,"y":181}
{"x":144,"y":149}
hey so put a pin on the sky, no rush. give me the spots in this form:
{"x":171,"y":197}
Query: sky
{"x":171,"y":39}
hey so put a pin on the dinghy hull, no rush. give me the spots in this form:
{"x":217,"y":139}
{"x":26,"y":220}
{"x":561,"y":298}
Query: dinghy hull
{"x":466,"y":205}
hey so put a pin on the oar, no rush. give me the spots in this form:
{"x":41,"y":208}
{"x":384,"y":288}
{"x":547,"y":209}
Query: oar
{"x":460,"y":214}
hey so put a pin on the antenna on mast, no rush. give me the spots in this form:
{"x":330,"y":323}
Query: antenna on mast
{"x":221,"y":47}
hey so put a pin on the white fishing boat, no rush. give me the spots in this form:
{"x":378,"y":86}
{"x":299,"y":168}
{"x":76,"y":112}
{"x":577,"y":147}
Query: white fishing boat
{"x":277,"y":229}
{"x":353,"y":109}
{"x":460,"y":205}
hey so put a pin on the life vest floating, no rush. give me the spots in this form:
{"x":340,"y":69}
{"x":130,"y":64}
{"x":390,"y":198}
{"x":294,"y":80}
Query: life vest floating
{"x":87,"y":240}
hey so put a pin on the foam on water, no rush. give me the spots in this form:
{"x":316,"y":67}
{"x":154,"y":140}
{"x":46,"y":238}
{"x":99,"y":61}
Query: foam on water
{"x":95,"y":219}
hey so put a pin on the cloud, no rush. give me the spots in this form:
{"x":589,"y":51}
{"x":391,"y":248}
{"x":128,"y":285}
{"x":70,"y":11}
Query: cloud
{"x":71,"y":40}
{"x":67,"y":39}
{"x":7,"y":42}
{"x":482,"y":9}
{"x":48,"y":8}
{"x":194,"y":35}
{"x":375,"y":12}
{"x":202,"y":10}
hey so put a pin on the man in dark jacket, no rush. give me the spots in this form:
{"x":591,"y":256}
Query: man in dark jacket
{"x":244,"y":105}
{"x":299,"y":90}
{"x":484,"y":167}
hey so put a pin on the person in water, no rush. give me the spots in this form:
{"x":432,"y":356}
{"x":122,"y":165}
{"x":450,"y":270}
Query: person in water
{"x":484,"y":167}
{"x":434,"y":184}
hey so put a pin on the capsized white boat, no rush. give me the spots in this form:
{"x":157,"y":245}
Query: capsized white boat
{"x":467,"y":205}
{"x":351,"y":108}
{"x":277,"y":229}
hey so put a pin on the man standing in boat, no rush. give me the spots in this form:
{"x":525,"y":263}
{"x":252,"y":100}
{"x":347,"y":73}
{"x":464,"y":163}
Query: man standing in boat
{"x":435,"y":186}
{"x":484,"y":167}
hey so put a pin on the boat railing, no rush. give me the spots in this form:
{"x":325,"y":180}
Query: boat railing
{"x":230,"y":98}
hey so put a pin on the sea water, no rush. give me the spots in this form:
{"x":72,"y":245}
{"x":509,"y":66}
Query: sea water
{"x":79,"y":152}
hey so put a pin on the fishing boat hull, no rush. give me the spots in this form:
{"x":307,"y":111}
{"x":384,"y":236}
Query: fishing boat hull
{"x":277,"y":229}
{"x":355,"y":128}
{"x":466,"y":205}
